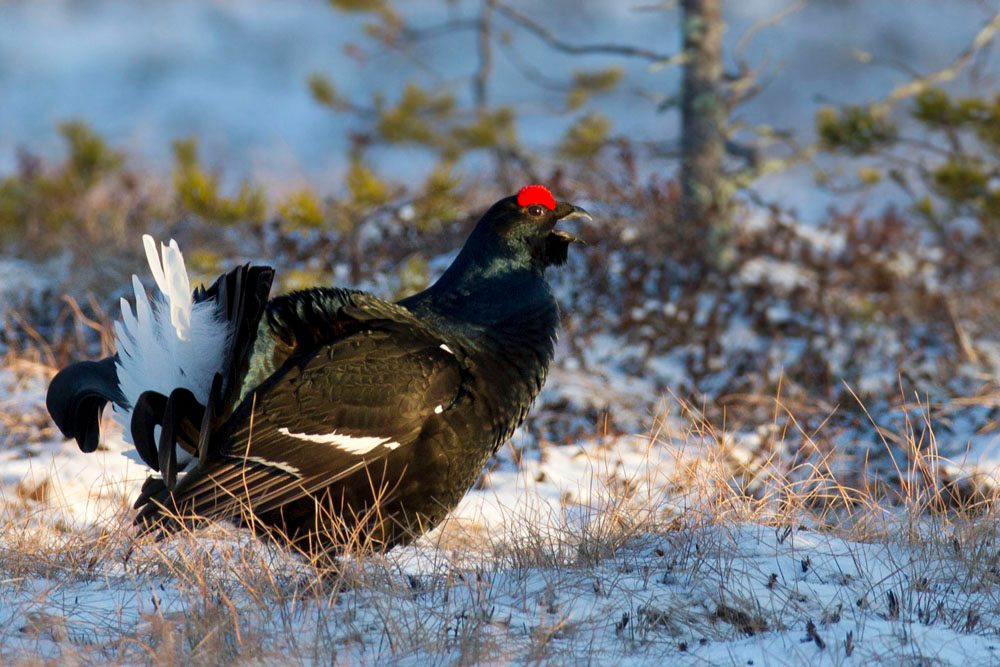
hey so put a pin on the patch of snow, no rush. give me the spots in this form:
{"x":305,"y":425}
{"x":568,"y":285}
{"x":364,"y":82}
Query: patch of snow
{"x":740,"y":336}
{"x":825,"y":241}
{"x":785,"y":277}
{"x":80,"y":488}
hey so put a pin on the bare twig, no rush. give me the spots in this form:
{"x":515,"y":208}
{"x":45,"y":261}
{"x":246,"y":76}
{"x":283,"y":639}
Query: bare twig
{"x":746,"y":152}
{"x":532,"y":73}
{"x":962,"y":337}
{"x":549,"y":38}
{"x":440,"y":30}
{"x":764,"y":23}
{"x":657,"y":6}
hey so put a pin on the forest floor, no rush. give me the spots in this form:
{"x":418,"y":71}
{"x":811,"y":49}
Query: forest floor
{"x":627,"y":549}
{"x":688,"y":488}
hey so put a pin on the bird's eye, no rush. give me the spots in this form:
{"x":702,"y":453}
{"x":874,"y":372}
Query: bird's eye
{"x":536,"y":211}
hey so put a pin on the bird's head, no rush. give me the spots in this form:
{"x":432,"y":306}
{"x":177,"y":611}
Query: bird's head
{"x":520,"y":231}
{"x":500,"y":270}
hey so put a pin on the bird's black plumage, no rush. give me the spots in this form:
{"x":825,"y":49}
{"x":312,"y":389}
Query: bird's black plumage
{"x":338,"y":416}
{"x":76,"y":397}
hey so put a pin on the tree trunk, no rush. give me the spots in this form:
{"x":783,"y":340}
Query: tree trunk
{"x":704,"y":196}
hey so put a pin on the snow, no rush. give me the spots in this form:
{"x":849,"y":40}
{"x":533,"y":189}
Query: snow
{"x":784,"y":276}
{"x":80,"y":488}
{"x":533,"y":565}
{"x":25,"y":284}
{"x":21,"y":277}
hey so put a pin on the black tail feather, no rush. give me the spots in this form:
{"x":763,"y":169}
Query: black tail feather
{"x":168,"y":441}
{"x":208,"y":417}
{"x":146,"y":416}
{"x":241,"y":296}
{"x":77,"y":396}
{"x":182,"y":421}
{"x":151,"y":487}
{"x":79,"y":392}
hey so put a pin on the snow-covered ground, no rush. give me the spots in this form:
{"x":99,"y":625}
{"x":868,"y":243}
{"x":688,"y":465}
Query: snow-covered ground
{"x":663,"y":538}
{"x":629,"y":549}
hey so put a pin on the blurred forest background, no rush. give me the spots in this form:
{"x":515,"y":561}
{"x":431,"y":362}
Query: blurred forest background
{"x":797,"y":203}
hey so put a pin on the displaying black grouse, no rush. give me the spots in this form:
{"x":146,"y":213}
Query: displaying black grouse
{"x":329,"y":414}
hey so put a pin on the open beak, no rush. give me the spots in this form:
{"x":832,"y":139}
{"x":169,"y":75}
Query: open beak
{"x":557,"y":243}
{"x":565,"y":211}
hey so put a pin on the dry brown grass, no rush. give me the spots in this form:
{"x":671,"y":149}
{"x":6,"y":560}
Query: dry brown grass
{"x":661,"y":559}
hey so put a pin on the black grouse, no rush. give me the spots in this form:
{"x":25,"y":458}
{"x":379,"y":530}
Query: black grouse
{"x":327,"y":416}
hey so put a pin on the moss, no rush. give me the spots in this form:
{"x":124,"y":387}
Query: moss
{"x":86,"y":196}
{"x":934,"y":107}
{"x":960,"y":184}
{"x":359,"y":5}
{"x":869,"y":175}
{"x":437,"y":202}
{"x":250,"y":204}
{"x":302,"y":278}
{"x":414,"y":275}
{"x":960,"y":179}
{"x":366,"y":189}
{"x":925,"y":208}
{"x":90,"y":158}
{"x":389,"y":23}
{"x":186,"y":153}
{"x":986,"y":120}
{"x":490,"y":129}
{"x":427,"y":119}
{"x":324,"y":92}
{"x":991,"y":209}
{"x":204,"y":264}
{"x":412,"y":120}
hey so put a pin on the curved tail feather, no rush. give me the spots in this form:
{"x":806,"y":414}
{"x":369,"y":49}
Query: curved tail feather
{"x":179,"y":414}
{"x":182,"y":356}
{"x":187,"y":423}
{"x":147,"y":414}
{"x":77,"y":396}
{"x":171,"y":430}
{"x":172,"y":340}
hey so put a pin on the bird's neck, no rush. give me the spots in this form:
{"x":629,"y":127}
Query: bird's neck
{"x":486,"y":294}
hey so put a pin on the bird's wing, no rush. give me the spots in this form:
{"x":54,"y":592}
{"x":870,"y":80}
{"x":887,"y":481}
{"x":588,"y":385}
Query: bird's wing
{"x":322,"y":417}
{"x":297,"y":324}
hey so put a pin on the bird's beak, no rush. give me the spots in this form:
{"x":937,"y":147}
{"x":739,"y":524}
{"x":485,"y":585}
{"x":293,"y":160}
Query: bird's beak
{"x":565,"y":211}
{"x":557,"y":243}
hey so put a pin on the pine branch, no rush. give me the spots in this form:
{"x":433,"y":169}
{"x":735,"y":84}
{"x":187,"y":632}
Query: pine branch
{"x":918,"y":85}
